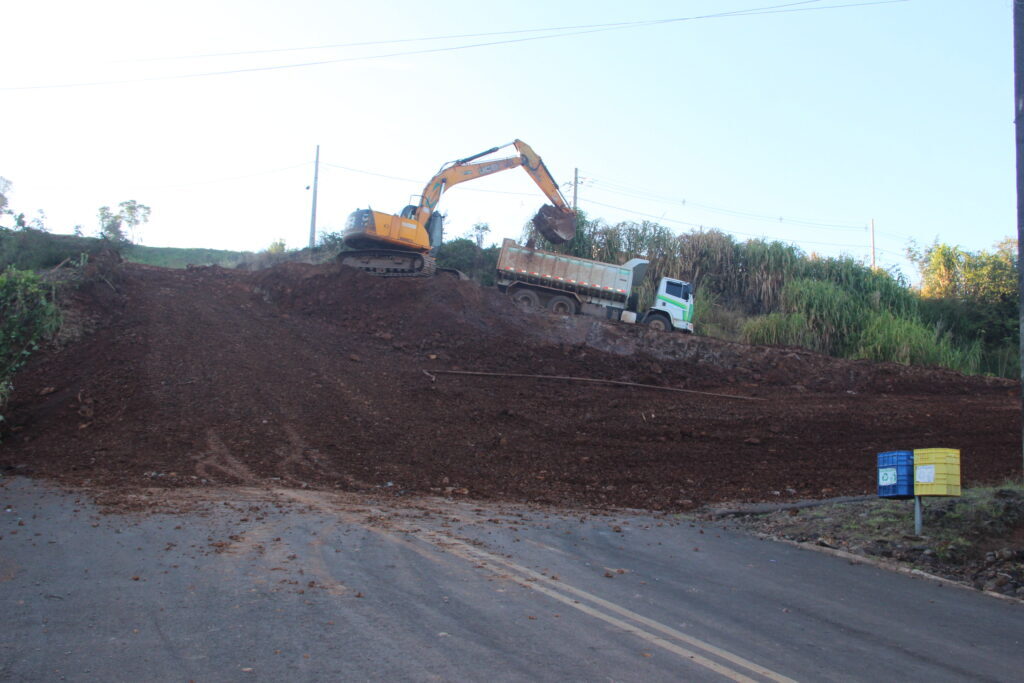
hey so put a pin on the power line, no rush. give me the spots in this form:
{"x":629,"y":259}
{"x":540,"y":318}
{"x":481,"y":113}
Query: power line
{"x":778,"y":9}
{"x":771,"y":9}
{"x":730,"y":212}
{"x":456,"y":36}
{"x":665,"y":199}
{"x":735,"y":232}
{"x":421,"y":182}
{"x":643,"y":194}
{"x":378,"y":175}
{"x":226,"y":180}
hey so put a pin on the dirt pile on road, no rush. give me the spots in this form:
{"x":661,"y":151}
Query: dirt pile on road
{"x":322,"y":376}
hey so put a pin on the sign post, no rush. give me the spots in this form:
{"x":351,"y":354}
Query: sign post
{"x":917,"y":515}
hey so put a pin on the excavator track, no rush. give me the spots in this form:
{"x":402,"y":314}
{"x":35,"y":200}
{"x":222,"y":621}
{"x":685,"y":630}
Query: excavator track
{"x":389,"y":262}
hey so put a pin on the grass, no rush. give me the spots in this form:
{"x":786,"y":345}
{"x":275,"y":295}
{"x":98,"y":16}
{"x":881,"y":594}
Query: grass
{"x":888,"y":338}
{"x":171,"y":257}
{"x":31,"y":249}
{"x":956,"y":532}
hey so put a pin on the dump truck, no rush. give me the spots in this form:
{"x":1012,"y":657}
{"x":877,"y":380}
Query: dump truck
{"x":570,"y":285}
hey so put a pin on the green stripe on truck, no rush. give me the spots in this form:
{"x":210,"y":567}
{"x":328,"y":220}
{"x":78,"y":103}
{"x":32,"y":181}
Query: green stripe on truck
{"x":686,"y":308}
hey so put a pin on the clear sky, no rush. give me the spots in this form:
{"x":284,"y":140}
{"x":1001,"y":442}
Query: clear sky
{"x":800,"y":125}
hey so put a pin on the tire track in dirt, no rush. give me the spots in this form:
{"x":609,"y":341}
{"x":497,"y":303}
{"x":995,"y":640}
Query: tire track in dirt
{"x":325,"y":386}
{"x":299,"y":457}
{"x":218,"y":457}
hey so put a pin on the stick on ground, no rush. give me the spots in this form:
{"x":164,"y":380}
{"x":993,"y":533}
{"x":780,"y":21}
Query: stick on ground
{"x":595,"y":381}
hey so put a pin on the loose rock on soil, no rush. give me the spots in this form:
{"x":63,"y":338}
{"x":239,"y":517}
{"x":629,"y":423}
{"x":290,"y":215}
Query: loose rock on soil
{"x":323,"y":377}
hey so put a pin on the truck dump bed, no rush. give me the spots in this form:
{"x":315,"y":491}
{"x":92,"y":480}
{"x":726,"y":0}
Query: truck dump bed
{"x":590,"y":279}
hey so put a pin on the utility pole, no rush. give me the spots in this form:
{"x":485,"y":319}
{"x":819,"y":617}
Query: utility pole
{"x":872,"y":244}
{"x":1018,"y":119}
{"x":575,"y":184}
{"x":316,"y":181}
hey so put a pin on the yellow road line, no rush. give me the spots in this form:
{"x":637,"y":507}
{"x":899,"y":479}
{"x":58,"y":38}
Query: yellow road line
{"x":546,"y":586}
{"x":668,"y":630}
{"x":552,"y":588}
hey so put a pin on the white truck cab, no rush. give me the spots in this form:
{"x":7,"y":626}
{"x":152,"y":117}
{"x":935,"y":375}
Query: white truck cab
{"x":673,"y":307}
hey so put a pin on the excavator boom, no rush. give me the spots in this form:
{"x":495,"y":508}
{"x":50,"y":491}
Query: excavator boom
{"x":557,"y":224}
{"x":390,"y":242}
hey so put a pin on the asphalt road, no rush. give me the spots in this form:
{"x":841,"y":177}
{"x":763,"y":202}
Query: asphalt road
{"x":297,"y":585}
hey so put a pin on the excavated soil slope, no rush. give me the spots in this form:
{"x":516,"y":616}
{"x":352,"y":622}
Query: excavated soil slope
{"x":324,"y":377}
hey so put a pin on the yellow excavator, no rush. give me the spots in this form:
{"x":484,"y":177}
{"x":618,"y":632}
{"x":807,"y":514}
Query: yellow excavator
{"x":403,"y":245}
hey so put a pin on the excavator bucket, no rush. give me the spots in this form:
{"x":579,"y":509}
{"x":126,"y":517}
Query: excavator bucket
{"x":556,"y":225}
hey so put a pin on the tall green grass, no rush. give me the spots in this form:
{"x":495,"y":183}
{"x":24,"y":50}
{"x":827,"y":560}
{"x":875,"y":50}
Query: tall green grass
{"x":779,"y":329}
{"x":886,"y":337}
{"x":831,"y":314}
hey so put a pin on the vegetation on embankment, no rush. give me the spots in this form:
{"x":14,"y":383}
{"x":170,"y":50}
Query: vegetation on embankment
{"x":963,"y":317}
{"x":173,"y":257}
{"x":977,"y":538}
{"x":33,"y":249}
{"x":28,"y":317}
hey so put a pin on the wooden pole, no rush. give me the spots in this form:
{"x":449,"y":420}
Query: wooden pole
{"x":873,"y":244}
{"x":575,"y":184}
{"x":1018,"y":118}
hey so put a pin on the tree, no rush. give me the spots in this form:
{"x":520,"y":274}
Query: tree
{"x":480,"y":231}
{"x":110,"y":225}
{"x":953,"y":273}
{"x":277,"y":246}
{"x":460,"y":254}
{"x":133,"y":215}
{"x":973,"y":294}
{"x":39,"y":222}
{"x":5,"y":188}
{"x":463,"y":254}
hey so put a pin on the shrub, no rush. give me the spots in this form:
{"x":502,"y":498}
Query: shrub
{"x":28,"y":316}
{"x":30,"y":249}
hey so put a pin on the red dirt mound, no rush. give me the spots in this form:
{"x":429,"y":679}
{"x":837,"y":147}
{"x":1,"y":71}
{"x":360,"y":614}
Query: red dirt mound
{"x":323,"y":376}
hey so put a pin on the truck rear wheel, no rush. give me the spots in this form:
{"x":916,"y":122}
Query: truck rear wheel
{"x":527,"y":298}
{"x":562,"y":305}
{"x":658,"y":322}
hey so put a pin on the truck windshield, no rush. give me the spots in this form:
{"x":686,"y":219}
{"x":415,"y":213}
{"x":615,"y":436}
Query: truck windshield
{"x":680,"y":290}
